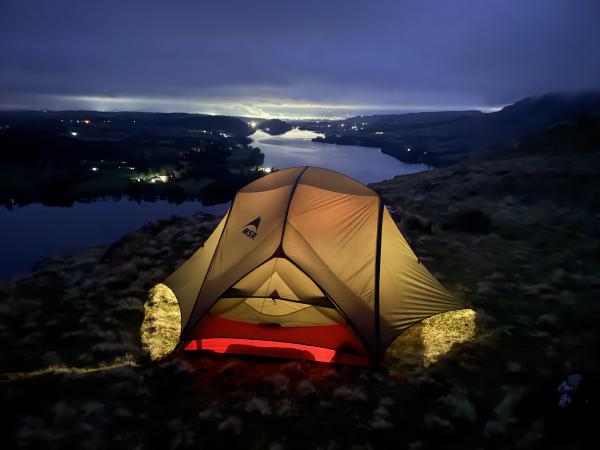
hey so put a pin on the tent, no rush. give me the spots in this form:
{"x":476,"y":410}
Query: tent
{"x":307,"y":263}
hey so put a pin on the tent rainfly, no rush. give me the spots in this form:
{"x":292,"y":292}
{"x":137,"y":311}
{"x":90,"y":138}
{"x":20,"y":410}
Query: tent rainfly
{"x":309,"y":264}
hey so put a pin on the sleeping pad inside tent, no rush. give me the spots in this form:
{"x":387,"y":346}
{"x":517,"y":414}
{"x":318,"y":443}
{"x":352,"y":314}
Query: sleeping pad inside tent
{"x":307,"y":263}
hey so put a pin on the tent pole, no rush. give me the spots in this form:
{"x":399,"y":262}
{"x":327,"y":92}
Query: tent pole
{"x":378,"y":352}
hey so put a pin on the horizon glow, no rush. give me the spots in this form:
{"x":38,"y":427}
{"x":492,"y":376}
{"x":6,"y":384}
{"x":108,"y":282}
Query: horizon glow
{"x":261,"y":109}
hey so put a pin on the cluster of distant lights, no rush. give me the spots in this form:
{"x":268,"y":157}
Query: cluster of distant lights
{"x":83,"y":122}
{"x":361,"y":126}
{"x":149,"y":179}
{"x":157,"y":178}
{"x":146,"y":178}
{"x":154,"y":179}
{"x":218,"y":133}
{"x":124,"y":166}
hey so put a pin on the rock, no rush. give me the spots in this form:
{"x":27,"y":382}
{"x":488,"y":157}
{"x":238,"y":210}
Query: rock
{"x":567,"y":389}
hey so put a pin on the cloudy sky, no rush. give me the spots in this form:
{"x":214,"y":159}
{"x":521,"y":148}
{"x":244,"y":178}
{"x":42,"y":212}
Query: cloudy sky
{"x":287,"y":58}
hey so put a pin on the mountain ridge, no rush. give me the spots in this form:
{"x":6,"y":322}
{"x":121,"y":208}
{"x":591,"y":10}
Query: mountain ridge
{"x":429,"y":138}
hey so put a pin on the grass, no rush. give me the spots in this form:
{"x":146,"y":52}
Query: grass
{"x":162,"y":322}
{"x":480,"y":378}
{"x":105,"y":182}
{"x":441,"y":332}
{"x":426,"y":342}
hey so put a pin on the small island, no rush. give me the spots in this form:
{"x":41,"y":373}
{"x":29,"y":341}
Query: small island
{"x":274,"y":127}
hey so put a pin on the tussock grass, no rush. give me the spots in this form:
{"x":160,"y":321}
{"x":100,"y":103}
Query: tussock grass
{"x":425,"y":343}
{"x":162,"y":322}
{"x":441,"y":332}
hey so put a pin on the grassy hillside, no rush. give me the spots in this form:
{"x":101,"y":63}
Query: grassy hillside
{"x":448,"y":137}
{"x":518,"y":236}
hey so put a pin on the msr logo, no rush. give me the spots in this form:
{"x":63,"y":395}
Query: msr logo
{"x":251,"y":229}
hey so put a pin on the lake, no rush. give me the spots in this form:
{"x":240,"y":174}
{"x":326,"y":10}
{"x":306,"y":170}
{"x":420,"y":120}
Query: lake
{"x":34,"y":232}
{"x":295,"y":148}
{"x":31,"y":233}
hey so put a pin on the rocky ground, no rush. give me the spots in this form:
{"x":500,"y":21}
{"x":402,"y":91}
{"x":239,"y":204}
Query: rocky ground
{"x":518,"y":237}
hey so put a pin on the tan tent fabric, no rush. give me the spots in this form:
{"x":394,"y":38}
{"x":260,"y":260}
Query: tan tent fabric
{"x":237,"y":255}
{"x":277,"y":274}
{"x":408,"y":292}
{"x":332,"y":236}
{"x":275,"y":311}
{"x":309,"y":247}
{"x":187,"y":280}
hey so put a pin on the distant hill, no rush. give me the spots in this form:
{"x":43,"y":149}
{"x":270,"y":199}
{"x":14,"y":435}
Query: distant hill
{"x":153,"y":123}
{"x":581,"y":135}
{"x":391,"y":122}
{"x":441,"y":138}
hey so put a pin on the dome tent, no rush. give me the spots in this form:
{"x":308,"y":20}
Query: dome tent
{"x":306,"y":263}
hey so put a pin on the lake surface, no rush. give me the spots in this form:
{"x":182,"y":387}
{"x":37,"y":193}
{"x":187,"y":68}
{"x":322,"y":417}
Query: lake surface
{"x":295,"y":148}
{"x":34,"y":232}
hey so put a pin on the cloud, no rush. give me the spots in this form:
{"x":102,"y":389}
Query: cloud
{"x":271,"y":58}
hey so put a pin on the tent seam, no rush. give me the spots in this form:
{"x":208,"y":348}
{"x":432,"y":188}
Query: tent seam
{"x":287,"y":210}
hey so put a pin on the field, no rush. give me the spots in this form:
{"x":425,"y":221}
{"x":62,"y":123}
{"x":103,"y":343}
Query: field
{"x":105,"y":182}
